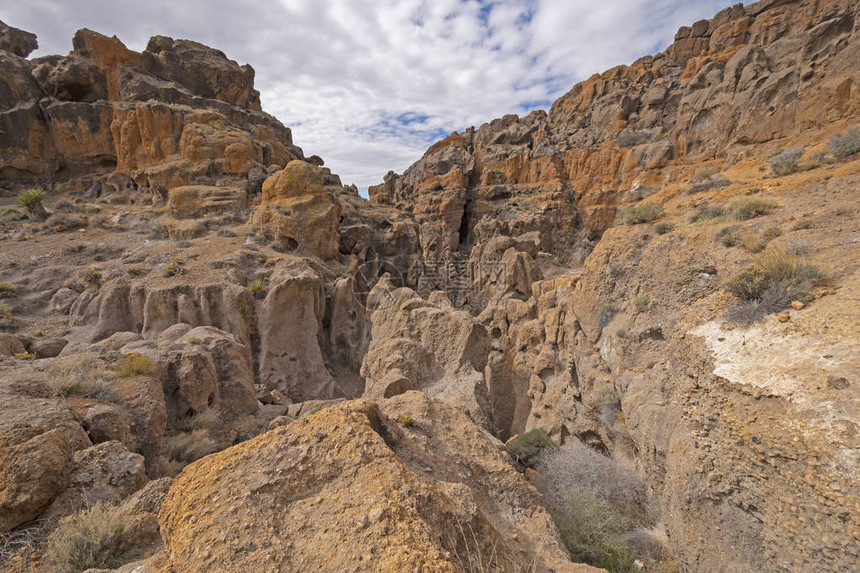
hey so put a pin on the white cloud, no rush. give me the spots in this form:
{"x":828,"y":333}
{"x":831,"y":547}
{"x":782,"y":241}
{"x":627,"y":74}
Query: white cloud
{"x":369,"y":84}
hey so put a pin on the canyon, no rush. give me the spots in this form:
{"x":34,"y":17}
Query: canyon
{"x":207,"y":331}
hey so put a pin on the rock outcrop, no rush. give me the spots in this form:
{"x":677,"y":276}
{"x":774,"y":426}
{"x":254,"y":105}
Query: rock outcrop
{"x":436,"y":496}
{"x":198,"y":282}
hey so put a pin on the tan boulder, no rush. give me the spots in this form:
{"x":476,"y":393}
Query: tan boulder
{"x":199,"y":200}
{"x":299,"y":212}
{"x":10,"y":344}
{"x":25,"y":398}
{"x":106,"y":472}
{"x":418,"y":345}
{"x":208,"y":371}
{"x":34,"y":467}
{"x":375,"y":496}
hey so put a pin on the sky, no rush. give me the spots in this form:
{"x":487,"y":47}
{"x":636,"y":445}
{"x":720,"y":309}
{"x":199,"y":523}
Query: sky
{"x":369,"y":85}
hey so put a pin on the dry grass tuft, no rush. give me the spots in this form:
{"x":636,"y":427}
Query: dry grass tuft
{"x":92,"y":538}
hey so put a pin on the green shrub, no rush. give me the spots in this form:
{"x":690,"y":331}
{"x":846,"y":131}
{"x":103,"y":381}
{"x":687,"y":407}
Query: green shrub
{"x":706,"y":212}
{"x":134,"y":364}
{"x":642,"y":302}
{"x":405,"y":420}
{"x":845,"y":145}
{"x":92,"y":538}
{"x":785,"y":163}
{"x":527,"y":448}
{"x":258,"y":285}
{"x":770,"y":284}
{"x":6,"y":308}
{"x":643,"y":214}
{"x":597,"y":504}
{"x":31,"y":200}
{"x":751,"y":208}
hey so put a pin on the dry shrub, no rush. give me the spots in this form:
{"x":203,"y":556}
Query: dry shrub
{"x":7,"y":290}
{"x":22,"y":541}
{"x":134,"y":364}
{"x":770,"y":284}
{"x":83,"y":375}
{"x":845,"y":145}
{"x":785,"y":163}
{"x":751,"y":208}
{"x":182,"y":449}
{"x":706,"y":212}
{"x":597,"y":502}
{"x":92,"y":538}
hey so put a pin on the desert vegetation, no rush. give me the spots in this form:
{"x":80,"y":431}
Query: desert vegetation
{"x":771,"y":284}
{"x":601,"y":507}
{"x":638,"y":214}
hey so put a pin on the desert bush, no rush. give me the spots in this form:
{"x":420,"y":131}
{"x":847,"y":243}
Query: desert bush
{"x":605,"y":311}
{"x":405,"y":420}
{"x":6,"y":308}
{"x":92,"y":276}
{"x":597,"y":503}
{"x":772,"y":233}
{"x":663,"y":228}
{"x":91,"y":538}
{"x":134,"y":364}
{"x":25,"y":355}
{"x":770,"y":284}
{"x":845,"y":145}
{"x":706,"y":212}
{"x":643,"y":214}
{"x":785,"y":162}
{"x":802,"y":225}
{"x":31,"y":200}
{"x":527,"y":448}
{"x":642,"y":302}
{"x":751,"y":208}
{"x":181,"y":449}
{"x":173,"y":268}
{"x":23,"y":541}
{"x":703,"y":175}
{"x":83,"y":375}
{"x":7,"y":290}
{"x":734,"y":236}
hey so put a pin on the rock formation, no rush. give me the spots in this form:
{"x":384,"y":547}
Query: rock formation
{"x":332,"y":379}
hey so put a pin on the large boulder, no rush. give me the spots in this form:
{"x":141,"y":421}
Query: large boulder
{"x":299,"y":212}
{"x":106,"y":472}
{"x":418,"y":345}
{"x":207,"y":370}
{"x":70,"y":78}
{"x":34,"y":468}
{"x":17,"y":41}
{"x":371,"y":492}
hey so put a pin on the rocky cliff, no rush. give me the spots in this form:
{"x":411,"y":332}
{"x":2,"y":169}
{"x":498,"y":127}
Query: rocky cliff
{"x":663,"y":267}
